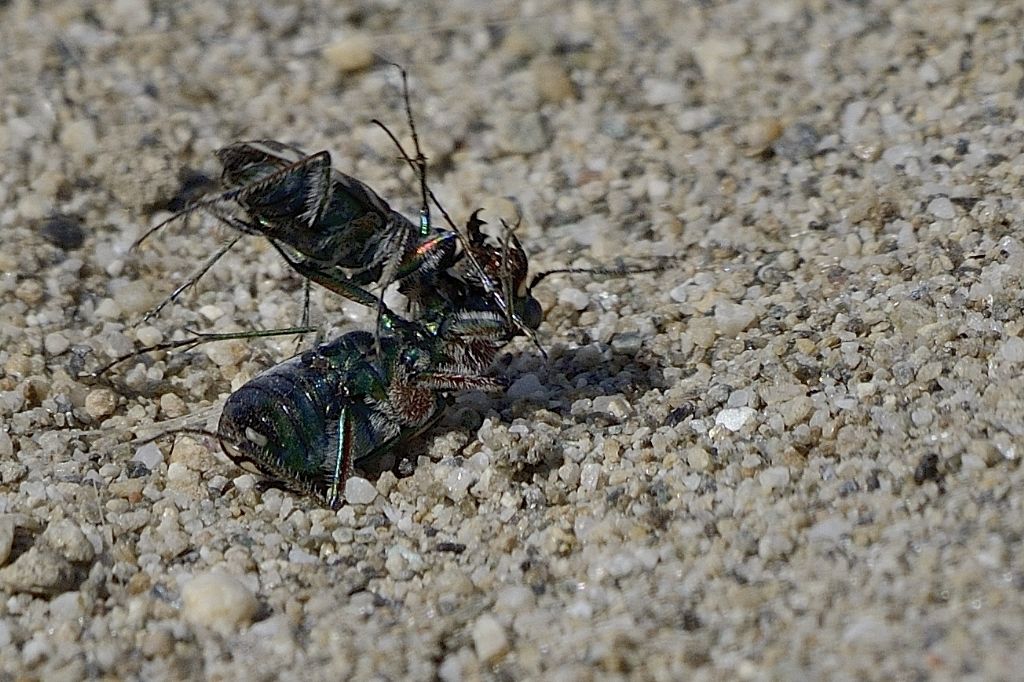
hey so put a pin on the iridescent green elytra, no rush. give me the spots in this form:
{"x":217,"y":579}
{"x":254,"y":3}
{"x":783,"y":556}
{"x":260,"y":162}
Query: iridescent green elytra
{"x":305,"y":423}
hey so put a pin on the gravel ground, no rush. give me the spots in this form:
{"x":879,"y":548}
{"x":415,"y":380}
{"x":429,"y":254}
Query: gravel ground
{"x":793,"y":455}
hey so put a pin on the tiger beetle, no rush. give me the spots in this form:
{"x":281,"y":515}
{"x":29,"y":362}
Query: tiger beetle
{"x":306,"y":422}
{"x":335,"y":230}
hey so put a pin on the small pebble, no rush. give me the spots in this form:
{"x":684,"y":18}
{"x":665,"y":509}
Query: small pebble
{"x":217,"y":601}
{"x":679,"y":293}
{"x":190,"y":453}
{"x":244,"y":483}
{"x":227,"y":353}
{"x":29,"y":291}
{"x":353,"y":53}
{"x":149,"y":336}
{"x":527,"y":387}
{"x":942,"y":208}
{"x":735,"y":418}
{"x":359,"y":491}
{"x":64,"y":536}
{"x":774,"y":478}
{"x":698,"y":459}
{"x":830,"y":530}
{"x":67,"y":607}
{"x":181,"y":476}
{"x":573,"y":298}
{"x":757,"y":136}
{"x":774,"y":546}
{"x":108,"y":309}
{"x":135,"y":300}
{"x":100,"y":403}
{"x":172,"y":405}
{"x":590,"y":474}
{"x":659,"y":92}
{"x":64,"y":232}
{"x":79,"y":137}
{"x":489,"y":639}
{"x":40,"y":571}
{"x":55,"y":343}
{"x":457,"y":482}
{"x":522,"y":133}
{"x":149,"y":455}
{"x":1012,"y":349}
{"x":6,"y":537}
{"x":552,"y":81}
{"x":798,"y":142}
{"x":658,"y":189}
{"x":615,"y":405}
{"x":35,"y":651}
{"x":211,"y":312}
{"x":128,"y":15}
{"x":627,"y":343}
{"x":732,"y":318}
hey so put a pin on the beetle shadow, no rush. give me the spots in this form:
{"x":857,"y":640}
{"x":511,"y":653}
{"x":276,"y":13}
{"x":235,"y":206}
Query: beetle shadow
{"x":597,"y":385}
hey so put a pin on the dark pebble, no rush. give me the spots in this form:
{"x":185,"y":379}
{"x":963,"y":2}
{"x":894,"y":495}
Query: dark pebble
{"x":64,"y":231}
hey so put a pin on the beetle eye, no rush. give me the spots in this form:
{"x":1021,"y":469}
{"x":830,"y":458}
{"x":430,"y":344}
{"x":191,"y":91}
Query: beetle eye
{"x":531,"y":313}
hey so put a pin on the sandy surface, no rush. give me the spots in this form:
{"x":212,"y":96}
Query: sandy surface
{"x":794,"y":455}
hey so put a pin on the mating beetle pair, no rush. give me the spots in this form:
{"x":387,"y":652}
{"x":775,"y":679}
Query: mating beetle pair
{"x":305,"y":422}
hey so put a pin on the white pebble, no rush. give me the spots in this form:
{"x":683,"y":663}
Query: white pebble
{"x":354,"y":53}
{"x":574,"y":298}
{"x":6,"y":537}
{"x":227,"y":353}
{"x":514,"y":598}
{"x":774,"y":477}
{"x":67,"y":607}
{"x":134,"y":300}
{"x":6,"y":445}
{"x":55,"y":343}
{"x":942,"y":208}
{"x":149,"y":455}
{"x":678,"y":294}
{"x":489,"y":638}
{"x":774,"y":546}
{"x":615,"y":405}
{"x":698,"y":458}
{"x":79,"y":137}
{"x":659,"y":92}
{"x":211,"y":312}
{"x":65,"y":537}
{"x":735,"y":418}
{"x":657,"y":189}
{"x":830,"y":530}
{"x":172,"y":405}
{"x":149,"y":336}
{"x":457,"y":482}
{"x":35,"y":650}
{"x":1012,"y":349}
{"x":300,"y":556}
{"x":359,"y":491}
{"x":590,"y":473}
{"x":179,"y":473}
{"x":32,"y":206}
{"x":217,"y":601}
{"x":732,"y":318}
{"x":108,"y":309}
{"x":244,"y":483}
